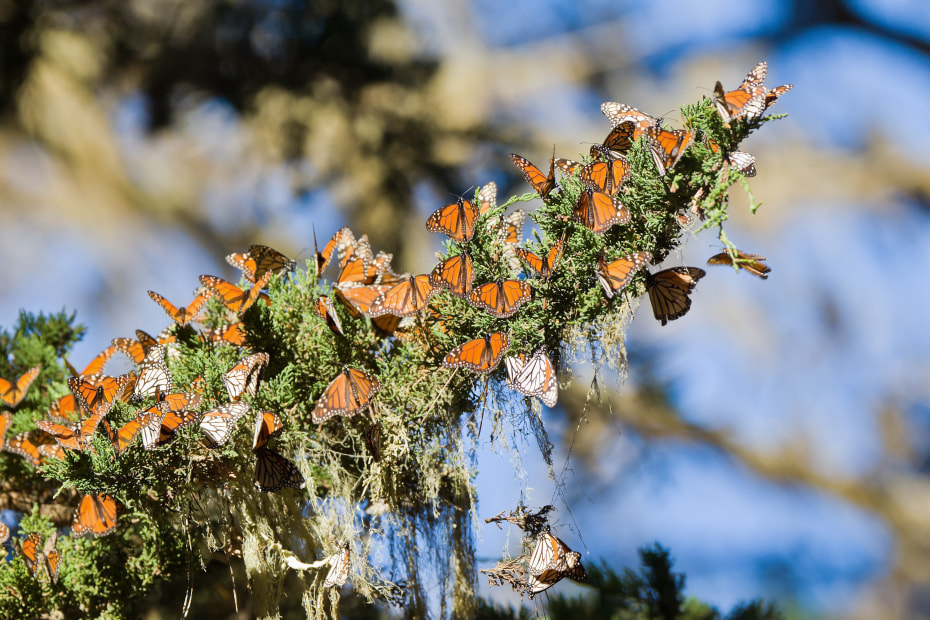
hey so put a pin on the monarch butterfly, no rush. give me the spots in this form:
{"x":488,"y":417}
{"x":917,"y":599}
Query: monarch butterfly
{"x":541,"y":183}
{"x":457,"y":220}
{"x":614,"y":276}
{"x":405,"y":299}
{"x":347,"y":246}
{"x":136,"y":350}
{"x":455,"y":274}
{"x":620,"y":139}
{"x":321,"y":259}
{"x":667,"y":147}
{"x":668,"y":291}
{"x":29,"y":548}
{"x":22,"y":445}
{"x":339,"y":567}
{"x":358,"y":299}
{"x":550,"y":562}
{"x":219,"y":423}
{"x":323,"y":307}
{"x":509,"y":233}
{"x":750,"y":262}
{"x":153,"y":374}
{"x":748,"y":102}
{"x":95,"y":515}
{"x":231,"y":295}
{"x":756,"y":78}
{"x":4,"y":532}
{"x":481,"y":355}
{"x":267,"y":425}
{"x":72,"y":437}
{"x":231,"y":333}
{"x":351,"y":391}
{"x":172,"y":422}
{"x":96,"y":365}
{"x":53,"y":564}
{"x":179,"y":400}
{"x":606,"y":176}
{"x":502,"y":298}
{"x":599,"y":211}
{"x":535,"y":377}
{"x":543,"y":268}
{"x":245,"y":375}
{"x":184,"y":314}
{"x":273,"y":472}
{"x":259,"y":260}
{"x":146,"y":422}
{"x":487,"y":198}
{"x":64,"y":407}
{"x":95,"y":393}
{"x":13,"y":393}
{"x":619,"y":113}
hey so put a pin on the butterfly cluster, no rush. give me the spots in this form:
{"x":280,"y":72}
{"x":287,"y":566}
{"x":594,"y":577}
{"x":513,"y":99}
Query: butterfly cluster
{"x":549,"y":561}
{"x":465,"y":318}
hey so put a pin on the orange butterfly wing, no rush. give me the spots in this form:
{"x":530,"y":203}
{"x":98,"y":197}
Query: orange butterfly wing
{"x":183,"y":315}
{"x":267,"y":425}
{"x":23,"y":446}
{"x":96,"y":515}
{"x":30,"y":550}
{"x":232,"y":333}
{"x":95,"y":393}
{"x":128,"y":432}
{"x":598,"y":211}
{"x":174,"y":421}
{"x":349,"y":392}
{"x":13,"y":393}
{"x":455,"y":274}
{"x":231,"y":295}
{"x":543,"y":268}
{"x":543,"y":184}
{"x":621,"y":138}
{"x":750,"y":262}
{"x":405,"y":299}
{"x":606,"y":176}
{"x":614,"y":276}
{"x":457,"y":220}
{"x":481,"y":355}
{"x":259,"y":260}
{"x":323,"y":307}
{"x":669,"y":289}
{"x":667,"y":147}
{"x":502,"y":298}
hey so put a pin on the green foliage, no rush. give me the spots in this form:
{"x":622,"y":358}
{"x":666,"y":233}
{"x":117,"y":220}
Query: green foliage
{"x":398,"y":478}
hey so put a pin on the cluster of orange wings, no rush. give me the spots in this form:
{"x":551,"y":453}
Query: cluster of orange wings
{"x":74,"y":419}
